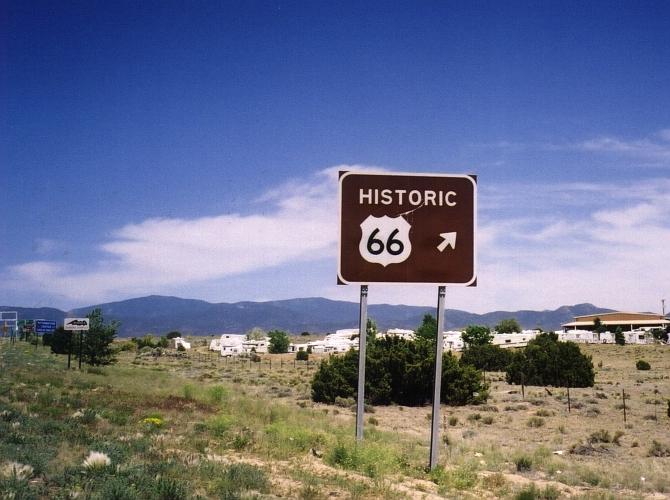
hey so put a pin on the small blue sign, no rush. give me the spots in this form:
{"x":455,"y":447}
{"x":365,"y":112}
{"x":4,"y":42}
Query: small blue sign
{"x":44,"y":326}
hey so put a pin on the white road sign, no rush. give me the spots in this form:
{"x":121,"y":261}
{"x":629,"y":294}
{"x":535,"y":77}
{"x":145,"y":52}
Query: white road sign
{"x":73,"y":324}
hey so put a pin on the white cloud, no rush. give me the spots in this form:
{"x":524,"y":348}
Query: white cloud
{"x":294,"y":225}
{"x":655,"y":149}
{"x":556,"y":244}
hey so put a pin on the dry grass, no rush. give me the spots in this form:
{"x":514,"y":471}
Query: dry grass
{"x":217,"y":412}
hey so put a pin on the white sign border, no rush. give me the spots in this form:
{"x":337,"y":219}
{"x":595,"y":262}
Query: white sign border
{"x":471,"y":177}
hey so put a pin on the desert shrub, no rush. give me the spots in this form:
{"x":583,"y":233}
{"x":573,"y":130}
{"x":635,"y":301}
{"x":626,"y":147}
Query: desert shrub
{"x":453,"y":421}
{"x":600,"y":436}
{"x":535,"y":422}
{"x":641,"y":364}
{"x":658,"y":449}
{"x":240,"y":478}
{"x":532,"y":492}
{"x":169,"y":489}
{"x":398,"y":371}
{"x":487,"y":420}
{"x":546,"y":361}
{"x":523,"y":463}
{"x":345,"y":402}
{"x":216,"y":394}
{"x":302,"y":355}
{"x":487,"y":357}
{"x":617,"y":437}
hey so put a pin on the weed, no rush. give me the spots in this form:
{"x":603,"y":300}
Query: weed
{"x":189,"y":392}
{"x":600,"y":436}
{"x":216,"y":394}
{"x":523,"y":463}
{"x":170,"y":489}
{"x":532,"y":492}
{"x":535,"y":422}
{"x":487,"y":420}
{"x":240,"y":478}
{"x":617,"y":438}
{"x":453,"y":421}
{"x":658,"y":449}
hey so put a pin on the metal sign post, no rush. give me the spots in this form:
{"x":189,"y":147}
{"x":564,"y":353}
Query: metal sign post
{"x":362,"y":342}
{"x":76,"y":324}
{"x":407,"y":228}
{"x":437,"y":387}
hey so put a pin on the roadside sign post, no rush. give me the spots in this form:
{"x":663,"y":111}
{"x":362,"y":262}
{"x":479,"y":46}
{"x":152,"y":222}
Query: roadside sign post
{"x":437,"y":384}
{"x":76,"y":324}
{"x":43,"y":326}
{"x":12,"y":318}
{"x":362,"y":343}
{"x":407,"y":228}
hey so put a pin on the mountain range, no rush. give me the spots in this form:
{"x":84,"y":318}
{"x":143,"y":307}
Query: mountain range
{"x":159,"y":314}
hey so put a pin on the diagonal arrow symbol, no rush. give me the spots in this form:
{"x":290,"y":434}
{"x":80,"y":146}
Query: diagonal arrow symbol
{"x":448,"y":239}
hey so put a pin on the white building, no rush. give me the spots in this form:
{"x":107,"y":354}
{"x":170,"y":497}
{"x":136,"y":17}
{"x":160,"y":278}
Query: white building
{"x":231,"y":344}
{"x":514,"y":339}
{"x":452,"y":341}
{"x":259,"y":346}
{"x":178,"y":341}
{"x":399,"y":333}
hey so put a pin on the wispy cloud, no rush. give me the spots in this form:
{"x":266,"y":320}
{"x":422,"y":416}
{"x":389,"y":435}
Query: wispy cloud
{"x":655,"y":149}
{"x":163,"y":252}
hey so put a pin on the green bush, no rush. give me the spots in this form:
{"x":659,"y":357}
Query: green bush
{"x":546,"y":361}
{"x":302,"y":355}
{"x":641,"y":364}
{"x":398,"y":371}
{"x":487,"y":357}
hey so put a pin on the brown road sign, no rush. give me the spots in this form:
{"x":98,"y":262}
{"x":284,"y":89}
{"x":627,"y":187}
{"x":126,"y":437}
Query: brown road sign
{"x":407,"y":228}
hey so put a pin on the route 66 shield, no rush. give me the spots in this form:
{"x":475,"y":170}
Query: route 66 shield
{"x":385,"y":240}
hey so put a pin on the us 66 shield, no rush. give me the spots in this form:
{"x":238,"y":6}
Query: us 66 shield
{"x":407,"y":228}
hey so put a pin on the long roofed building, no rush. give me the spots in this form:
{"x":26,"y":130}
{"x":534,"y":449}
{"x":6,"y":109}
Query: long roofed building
{"x":612,"y":320}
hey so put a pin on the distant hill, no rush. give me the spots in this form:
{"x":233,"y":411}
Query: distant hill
{"x":159,"y":315}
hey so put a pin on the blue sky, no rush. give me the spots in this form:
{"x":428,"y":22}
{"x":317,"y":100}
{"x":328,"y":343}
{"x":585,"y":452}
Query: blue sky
{"x":191,"y":148}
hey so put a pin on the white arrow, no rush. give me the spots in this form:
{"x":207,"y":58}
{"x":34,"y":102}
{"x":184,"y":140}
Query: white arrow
{"x":448,"y":239}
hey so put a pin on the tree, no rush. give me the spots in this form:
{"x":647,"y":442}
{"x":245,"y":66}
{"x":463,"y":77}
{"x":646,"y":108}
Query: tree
{"x":660,"y":334}
{"x":173,"y":335}
{"x":477,"y":335}
{"x":598,"y":326}
{"x":371,"y":329}
{"x":487,"y":357}
{"x":510,"y":325}
{"x":97,"y":342}
{"x":428,"y":328}
{"x":546,"y":361}
{"x":398,"y":371}
{"x":279,"y":342}
{"x":256,"y":333}
{"x":301,"y":355}
{"x":60,"y":341}
{"x":619,"y":338}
